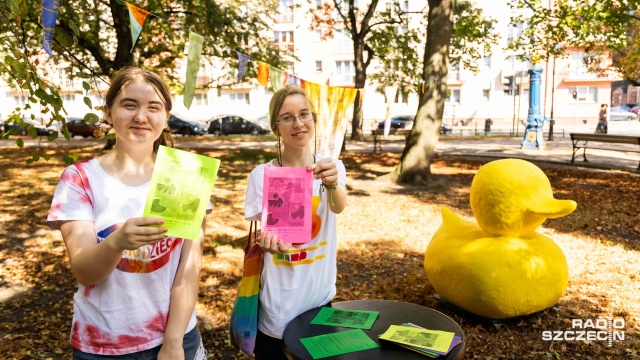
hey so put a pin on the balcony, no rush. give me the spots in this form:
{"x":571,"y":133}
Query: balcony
{"x":343,"y":80}
{"x":283,"y":46}
{"x":202,"y":80}
{"x":582,"y":75}
{"x":284,"y":18}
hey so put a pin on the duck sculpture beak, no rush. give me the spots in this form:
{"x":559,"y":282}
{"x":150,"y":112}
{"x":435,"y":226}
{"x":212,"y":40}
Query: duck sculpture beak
{"x":553,"y":209}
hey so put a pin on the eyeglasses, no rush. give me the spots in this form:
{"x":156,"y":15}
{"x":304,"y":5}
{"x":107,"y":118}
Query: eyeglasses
{"x":290,"y":119}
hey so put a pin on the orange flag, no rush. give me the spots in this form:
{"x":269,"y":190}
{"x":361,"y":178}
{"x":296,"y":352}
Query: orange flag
{"x":263,"y":73}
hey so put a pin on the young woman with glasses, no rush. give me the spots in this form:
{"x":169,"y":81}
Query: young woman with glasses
{"x":306,"y":277}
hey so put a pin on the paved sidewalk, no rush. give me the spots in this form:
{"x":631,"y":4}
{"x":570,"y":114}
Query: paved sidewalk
{"x":557,"y":152}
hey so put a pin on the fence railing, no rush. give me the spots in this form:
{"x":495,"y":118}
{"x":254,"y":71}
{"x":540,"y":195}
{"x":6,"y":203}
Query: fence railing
{"x":472,"y":131}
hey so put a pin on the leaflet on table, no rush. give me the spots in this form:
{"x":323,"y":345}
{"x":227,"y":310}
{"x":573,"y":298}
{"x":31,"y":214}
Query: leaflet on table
{"x":286,"y":203}
{"x":457,"y":340}
{"x":358,"y":319}
{"x":343,"y":342}
{"x":180,"y":190}
{"x":428,"y":339}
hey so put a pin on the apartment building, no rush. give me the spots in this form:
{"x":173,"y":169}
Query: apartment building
{"x":473,"y":97}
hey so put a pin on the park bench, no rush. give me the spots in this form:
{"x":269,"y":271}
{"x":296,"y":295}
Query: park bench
{"x":585,"y":141}
{"x":378,"y":136}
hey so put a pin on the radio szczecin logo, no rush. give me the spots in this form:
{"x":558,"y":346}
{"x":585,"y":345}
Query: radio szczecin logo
{"x":599,"y":329}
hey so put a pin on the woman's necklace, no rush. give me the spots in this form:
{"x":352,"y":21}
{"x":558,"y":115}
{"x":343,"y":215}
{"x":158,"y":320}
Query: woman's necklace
{"x":280,"y":161}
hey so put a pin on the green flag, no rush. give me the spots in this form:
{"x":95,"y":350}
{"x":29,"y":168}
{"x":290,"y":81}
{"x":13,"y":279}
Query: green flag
{"x":193,"y":65}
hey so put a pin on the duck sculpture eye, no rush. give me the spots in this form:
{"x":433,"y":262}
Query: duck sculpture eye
{"x":498,"y":266}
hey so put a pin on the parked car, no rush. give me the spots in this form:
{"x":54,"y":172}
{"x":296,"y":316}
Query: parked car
{"x":77,"y":126}
{"x":185,"y":127}
{"x":635,"y":109}
{"x":406,"y":122}
{"x":234,"y":124}
{"x":617,"y":114}
{"x":23,"y":129}
{"x":620,"y":108}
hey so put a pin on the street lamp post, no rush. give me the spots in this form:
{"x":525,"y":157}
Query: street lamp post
{"x":533,"y":137}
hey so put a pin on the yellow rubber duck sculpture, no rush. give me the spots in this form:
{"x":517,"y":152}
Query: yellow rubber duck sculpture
{"x":500,"y":267}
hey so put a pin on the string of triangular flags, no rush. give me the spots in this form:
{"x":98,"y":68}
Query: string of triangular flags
{"x":331,"y":102}
{"x":279,"y":78}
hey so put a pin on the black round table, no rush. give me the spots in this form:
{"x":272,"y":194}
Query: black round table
{"x":391,"y":313}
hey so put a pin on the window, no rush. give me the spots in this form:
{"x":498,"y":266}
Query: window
{"x":318,"y":66}
{"x":69,"y":98}
{"x":514,"y":31}
{"x":511,"y":63}
{"x":343,"y":7}
{"x":343,"y":44}
{"x":395,"y":6}
{"x":242,"y":98}
{"x":404,"y":8}
{"x":345,"y":71}
{"x":201,"y":99}
{"x":486,"y":62}
{"x":20,"y":100}
{"x":401,"y":97}
{"x":587,"y":94}
{"x":317,"y":35}
{"x":454,"y":96}
{"x":579,"y":63}
{"x":318,"y":4}
{"x":284,"y":40}
{"x":285,"y":11}
{"x":454,"y":70}
{"x":485,"y":94}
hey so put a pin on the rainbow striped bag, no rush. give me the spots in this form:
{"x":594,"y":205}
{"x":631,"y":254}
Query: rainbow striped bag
{"x":243,"y":325}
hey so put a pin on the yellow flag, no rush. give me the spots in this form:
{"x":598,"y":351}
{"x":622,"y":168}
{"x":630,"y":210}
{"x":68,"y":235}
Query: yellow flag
{"x":332,"y":104}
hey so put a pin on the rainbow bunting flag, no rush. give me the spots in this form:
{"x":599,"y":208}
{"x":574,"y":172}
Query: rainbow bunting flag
{"x":137,"y":18}
{"x":243,"y":60}
{"x":193,"y":65}
{"x":294,"y":80}
{"x":49,"y":16}
{"x":263,"y":73}
{"x":279,"y":79}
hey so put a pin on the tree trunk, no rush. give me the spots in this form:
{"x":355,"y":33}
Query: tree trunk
{"x":356,"y":122}
{"x":361,"y":78}
{"x":415,"y":163}
{"x":124,"y":56}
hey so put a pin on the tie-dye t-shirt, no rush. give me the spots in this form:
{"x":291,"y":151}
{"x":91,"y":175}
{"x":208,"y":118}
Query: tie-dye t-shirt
{"x":305,"y":276}
{"x":128,"y":311}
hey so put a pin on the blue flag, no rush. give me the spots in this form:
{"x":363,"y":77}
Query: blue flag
{"x":49,"y":16}
{"x":243,"y":60}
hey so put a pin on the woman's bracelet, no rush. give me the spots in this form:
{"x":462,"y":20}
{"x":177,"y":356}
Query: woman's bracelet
{"x":331,"y":189}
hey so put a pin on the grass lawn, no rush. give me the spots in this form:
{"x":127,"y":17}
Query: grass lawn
{"x":383,"y":234}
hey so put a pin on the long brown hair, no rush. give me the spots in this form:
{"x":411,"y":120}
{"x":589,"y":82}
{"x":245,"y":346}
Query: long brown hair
{"x":128,"y":74}
{"x":278,"y":99}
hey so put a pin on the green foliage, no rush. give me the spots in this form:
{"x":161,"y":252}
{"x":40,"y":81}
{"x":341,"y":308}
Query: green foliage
{"x":607,"y":30}
{"x":473,"y":35}
{"x":92,"y":39}
{"x":388,"y":38}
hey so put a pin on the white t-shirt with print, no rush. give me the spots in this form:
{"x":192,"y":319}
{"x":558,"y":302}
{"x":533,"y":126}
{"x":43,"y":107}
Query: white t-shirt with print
{"x":127,"y":312}
{"x":303,"y":278}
